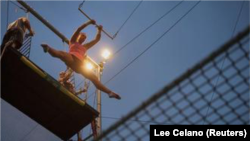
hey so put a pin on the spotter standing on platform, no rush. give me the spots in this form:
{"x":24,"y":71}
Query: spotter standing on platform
{"x":15,"y":33}
{"x":77,"y":53}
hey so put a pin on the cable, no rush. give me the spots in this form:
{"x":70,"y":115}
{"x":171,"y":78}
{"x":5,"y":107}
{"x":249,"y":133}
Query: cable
{"x":153,"y":43}
{"x":81,"y":4}
{"x":151,"y":25}
{"x":24,"y":137}
{"x":128,"y":18}
{"x":115,"y":118}
{"x":238,"y":18}
{"x":7,"y":18}
{"x":25,"y":10}
{"x":222,"y":65}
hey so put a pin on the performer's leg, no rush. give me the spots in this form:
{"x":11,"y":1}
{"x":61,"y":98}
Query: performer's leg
{"x":64,"y":56}
{"x":93,"y":78}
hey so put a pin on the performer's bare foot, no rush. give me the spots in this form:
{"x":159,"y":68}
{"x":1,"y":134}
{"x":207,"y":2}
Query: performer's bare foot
{"x":114,"y":95}
{"x":45,"y":47}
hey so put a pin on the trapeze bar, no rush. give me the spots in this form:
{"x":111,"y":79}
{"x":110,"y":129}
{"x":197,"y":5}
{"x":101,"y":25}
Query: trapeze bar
{"x":111,"y":37}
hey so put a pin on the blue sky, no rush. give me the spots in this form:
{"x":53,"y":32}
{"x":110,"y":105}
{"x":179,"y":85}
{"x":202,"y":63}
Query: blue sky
{"x":203,"y":30}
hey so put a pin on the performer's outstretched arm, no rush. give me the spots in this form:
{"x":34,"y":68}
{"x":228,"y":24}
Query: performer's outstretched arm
{"x":96,"y":40}
{"x":79,"y":29}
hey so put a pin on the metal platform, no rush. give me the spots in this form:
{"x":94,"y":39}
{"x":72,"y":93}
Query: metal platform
{"x":35,"y":93}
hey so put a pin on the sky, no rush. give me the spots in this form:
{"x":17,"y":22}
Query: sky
{"x":203,"y":30}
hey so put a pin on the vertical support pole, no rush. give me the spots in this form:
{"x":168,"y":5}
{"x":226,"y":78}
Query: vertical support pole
{"x":99,"y":122}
